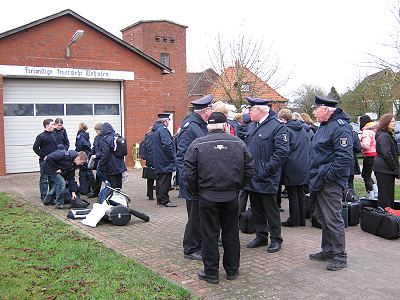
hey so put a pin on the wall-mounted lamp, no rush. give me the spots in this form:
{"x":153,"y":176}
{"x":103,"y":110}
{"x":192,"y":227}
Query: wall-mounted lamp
{"x":77,"y":35}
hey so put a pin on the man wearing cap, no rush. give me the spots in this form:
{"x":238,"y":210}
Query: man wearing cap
{"x":268,"y":142}
{"x":216,"y":181}
{"x":193,"y":127}
{"x":164,"y":158}
{"x":331,"y":157}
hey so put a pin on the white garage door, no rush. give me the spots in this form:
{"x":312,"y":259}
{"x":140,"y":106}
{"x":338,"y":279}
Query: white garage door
{"x":27,"y":102}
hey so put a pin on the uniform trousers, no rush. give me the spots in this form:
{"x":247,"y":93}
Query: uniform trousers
{"x":328,"y":212}
{"x":296,"y":197}
{"x":115,"y":180}
{"x":163,"y":183}
{"x":150,"y":188}
{"x":192,"y":236}
{"x":216,"y":217}
{"x":385,"y":189}
{"x":266,"y":216}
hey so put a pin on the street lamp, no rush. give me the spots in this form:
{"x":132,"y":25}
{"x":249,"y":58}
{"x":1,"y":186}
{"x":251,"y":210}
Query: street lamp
{"x":77,"y":35}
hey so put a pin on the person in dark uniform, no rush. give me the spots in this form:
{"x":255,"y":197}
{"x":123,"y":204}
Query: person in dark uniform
{"x":95,"y":152}
{"x":164,"y":157}
{"x":296,"y":169}
{"x":60,"y":166}
{"x":216,"y":181}
{"x":193,"y":127}
{"x":331,"y":158}
{"x":60,"y":134}
{"x":110,"y":166}
{"x":268,"y":141}
{"x":82,"y":143}
{"x":146,"y":153}
{"x":44,"y":145}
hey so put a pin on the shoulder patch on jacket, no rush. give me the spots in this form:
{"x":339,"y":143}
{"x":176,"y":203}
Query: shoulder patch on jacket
{"x":186,"y":124}
{"x":341,"y":122}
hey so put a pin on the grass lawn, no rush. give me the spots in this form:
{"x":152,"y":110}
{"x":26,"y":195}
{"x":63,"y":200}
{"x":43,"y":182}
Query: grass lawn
{"x":359,"y":187}
{"x":44,"y":258}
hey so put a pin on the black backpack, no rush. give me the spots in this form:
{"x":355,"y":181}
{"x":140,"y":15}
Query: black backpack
{"x":120,"y":146}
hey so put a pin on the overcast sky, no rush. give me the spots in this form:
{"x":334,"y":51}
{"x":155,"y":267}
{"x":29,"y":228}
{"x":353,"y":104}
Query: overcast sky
{"x":322,"y":43}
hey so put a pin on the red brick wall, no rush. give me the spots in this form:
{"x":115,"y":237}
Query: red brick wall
{"x":174,"y":91}
{"x":45,"y":45}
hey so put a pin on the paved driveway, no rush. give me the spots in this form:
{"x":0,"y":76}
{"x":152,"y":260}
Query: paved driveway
{"x":372,"y":273}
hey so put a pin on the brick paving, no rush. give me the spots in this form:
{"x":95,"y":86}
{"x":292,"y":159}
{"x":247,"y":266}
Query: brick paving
{"x":373,"y":263}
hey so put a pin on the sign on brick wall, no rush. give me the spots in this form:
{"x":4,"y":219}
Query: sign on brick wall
{"x":46,"y":72}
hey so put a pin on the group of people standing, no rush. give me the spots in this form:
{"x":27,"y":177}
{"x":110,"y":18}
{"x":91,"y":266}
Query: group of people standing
{"x":58,"y":163}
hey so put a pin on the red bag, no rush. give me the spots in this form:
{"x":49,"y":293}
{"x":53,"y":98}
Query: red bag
{"x":392,"y":211}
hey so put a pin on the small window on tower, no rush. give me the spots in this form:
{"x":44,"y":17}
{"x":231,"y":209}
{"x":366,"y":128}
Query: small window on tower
{"x":172,"y":40}
{"x":157,"y":39}
{"x":165,"y":59}
{"x":165,"y":39}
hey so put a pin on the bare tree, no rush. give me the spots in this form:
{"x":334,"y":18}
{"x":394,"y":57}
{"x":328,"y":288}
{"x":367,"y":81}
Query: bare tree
{"x":305,"y":96}
{"x":244,"y":67}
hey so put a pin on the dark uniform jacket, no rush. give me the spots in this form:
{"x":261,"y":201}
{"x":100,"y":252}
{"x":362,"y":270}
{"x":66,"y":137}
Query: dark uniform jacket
{"x":62,"y":160}
{"x":355,"y":167}
{"x":163,"y":149}
{"x":96,"y":149}
{"x":217,"y":166}
{"x":44,"y":144}
{"x":61,"y":137}
{"x":146,"y":150}
{"x":82,"y":142}
{"x":269,"y":145}
{"x":193,"y":127}
{"x":297,"y":166}
{"x":386,"y":159}
{"x":109,"y":164}
{"x":331,"y":152}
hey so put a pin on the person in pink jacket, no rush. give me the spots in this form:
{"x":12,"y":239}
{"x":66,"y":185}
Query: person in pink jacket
{"x":368,"y":146}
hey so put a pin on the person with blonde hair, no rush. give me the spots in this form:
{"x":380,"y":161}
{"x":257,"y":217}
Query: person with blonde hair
{"x":307,"y":119}
{"x":222,"y":107}
{"x":296,"y":168}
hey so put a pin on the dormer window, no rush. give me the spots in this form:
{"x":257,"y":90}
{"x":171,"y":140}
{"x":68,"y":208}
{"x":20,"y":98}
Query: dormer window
{"x":172,"y":40}
{"x":165,"y":39}
{"x":157,"y":39}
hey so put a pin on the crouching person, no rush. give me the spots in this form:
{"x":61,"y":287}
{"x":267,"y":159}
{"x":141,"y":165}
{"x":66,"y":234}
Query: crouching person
{"x":60,"y":166}
{"x":217,"y":166}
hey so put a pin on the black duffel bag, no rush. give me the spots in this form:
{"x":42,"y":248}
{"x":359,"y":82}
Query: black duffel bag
{"x":380,"y":223}
{"x":246,"y":223}
{"x":149,"y":173}
{"x":119,"y":215}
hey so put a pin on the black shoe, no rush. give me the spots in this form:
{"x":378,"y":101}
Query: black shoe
{"x":209,"y":279}
{"x":170,"y":204}
{"x":336,"y":265}
{"x":320,"y":256}
{"x":233,"y":276}
{"x":274,"y":247}
{"x":151,"y":198}
{"x":63,"y":206}
{"x":195,"y":256}
{"x":49,"y":203}
{"x":281,"y":209}
{"x":257,"y":242}
{"x":287,"y":224}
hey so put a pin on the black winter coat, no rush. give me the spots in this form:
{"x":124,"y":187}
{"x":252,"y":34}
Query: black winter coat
{"x":269,"y":145}
{"x":192,"y":127}
{"x":109,"y":164}
{"x":163,"y":146}
{"x":297,"y":167}
{"x":331,"y":152}
{"x":146,"y":150}
{"x":62,"y":160}
{"x":386,"y":159}
{"x":82,"y":142}
{"x":217,"y":166}
{"x":44,"y":144}
{"x":61,"y":137}
{"x":96,"y":149}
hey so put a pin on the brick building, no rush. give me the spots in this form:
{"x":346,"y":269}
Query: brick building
{"x":105,"y":79}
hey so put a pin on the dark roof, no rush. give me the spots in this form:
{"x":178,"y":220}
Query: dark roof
{"x":199,"y":84}
{"x":165,"y":69}
{"x":151,"y":21}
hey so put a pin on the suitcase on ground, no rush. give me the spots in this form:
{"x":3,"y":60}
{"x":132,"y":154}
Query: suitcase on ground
{"x":354,"y":209}
{"x":380,"y":223}
{"x":246,"y":223}
{"x":119,"y":215}
{"x":366,"y":202}
{"x":345,"y":215}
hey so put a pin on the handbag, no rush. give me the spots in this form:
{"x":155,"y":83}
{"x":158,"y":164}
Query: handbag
{"x":149,"y":173}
